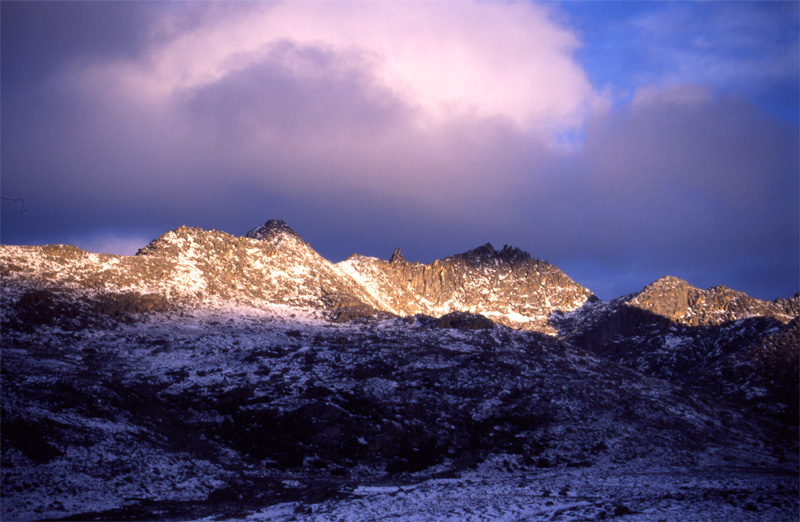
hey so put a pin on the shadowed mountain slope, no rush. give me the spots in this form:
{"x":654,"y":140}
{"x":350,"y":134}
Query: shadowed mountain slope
{"x":717,"y":339}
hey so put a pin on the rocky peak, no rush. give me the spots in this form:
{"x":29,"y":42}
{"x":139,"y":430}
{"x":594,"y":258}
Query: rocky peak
{"x":178,"y":240}
{"x":512,"y":255}
{"x":666,"y":296}
{"x":669,"y":297}
{"x":507,"y":286}
{"x":679,"y":301}
{"x":273,"y":265}
{"x":488,"y":255}
{"x":397,"y":257}
{"x":272,"y":229}
{"x":669,"y":281}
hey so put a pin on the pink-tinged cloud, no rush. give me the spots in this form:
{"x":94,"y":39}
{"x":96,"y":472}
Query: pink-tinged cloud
{"x":442,"y":60}
{"x":408,"y":100}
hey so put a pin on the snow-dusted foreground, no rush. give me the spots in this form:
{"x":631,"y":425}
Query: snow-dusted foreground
{"x":221,"y":413}
{"x":597,"y":493}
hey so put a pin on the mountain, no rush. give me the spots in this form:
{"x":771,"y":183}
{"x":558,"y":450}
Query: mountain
{"x":678,"y":301}
{"x":716,"y":339}
{"x":220,"y":377}
{"x":272,"y":265}
{"x":507,"y":286}
{"x":188,"y":267}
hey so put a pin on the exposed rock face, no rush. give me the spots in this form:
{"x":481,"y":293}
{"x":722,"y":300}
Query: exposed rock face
{"x":463,"y":321}
{"x":397,"y":257}
{"x":665,"y":303}
{"x":508,"y":286}
{"x":273,"y":230}
{"x":679,"y":301}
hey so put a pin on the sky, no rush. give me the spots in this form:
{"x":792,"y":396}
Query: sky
{"x":620,"y":141}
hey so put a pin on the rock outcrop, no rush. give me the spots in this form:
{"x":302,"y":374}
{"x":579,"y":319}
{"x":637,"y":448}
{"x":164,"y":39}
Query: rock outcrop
{"x":681,"y":302}
{"x":189,"y":265}
{"x":508,"y":286}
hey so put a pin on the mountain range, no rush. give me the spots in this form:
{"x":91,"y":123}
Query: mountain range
{"x":272,"y":265}
{"x":249,"y":377}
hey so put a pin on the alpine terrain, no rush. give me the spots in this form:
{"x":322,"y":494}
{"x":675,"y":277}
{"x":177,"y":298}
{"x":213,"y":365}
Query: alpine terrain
{"x":214,"y":377}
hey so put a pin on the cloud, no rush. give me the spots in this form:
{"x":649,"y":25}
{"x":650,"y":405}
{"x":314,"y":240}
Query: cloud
{"x":484,"y":59}
{"x":681,"y":140}
{"x":742,"y":44}
{"x":402,"y":100}
{"x":688,"y":183}
{"x":744,"y":48}
{"x":434,"y":127}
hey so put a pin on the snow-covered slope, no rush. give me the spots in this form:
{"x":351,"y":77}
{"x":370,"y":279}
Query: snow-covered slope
{"x":191,"y":267}
{"x":507,"y":286}
{"x":272,"y":265}
{"x":213,"y":415}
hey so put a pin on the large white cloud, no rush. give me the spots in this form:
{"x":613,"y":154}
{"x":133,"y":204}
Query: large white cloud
{"x":444,"y":106}
{"x":443,"y":59}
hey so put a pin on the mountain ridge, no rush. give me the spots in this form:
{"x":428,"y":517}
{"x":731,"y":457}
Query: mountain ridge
{"x":272,"y":264}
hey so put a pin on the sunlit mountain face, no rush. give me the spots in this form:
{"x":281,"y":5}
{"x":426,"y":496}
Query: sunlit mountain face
{"x":212,"y":376}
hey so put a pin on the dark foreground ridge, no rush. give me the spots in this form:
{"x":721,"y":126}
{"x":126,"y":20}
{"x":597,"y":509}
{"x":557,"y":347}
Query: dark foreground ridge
{"x":221,"y":377}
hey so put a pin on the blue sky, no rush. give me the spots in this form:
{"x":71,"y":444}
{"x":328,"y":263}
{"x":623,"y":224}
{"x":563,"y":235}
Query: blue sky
{"x":746,"y":48}
{"x":621,"y":141}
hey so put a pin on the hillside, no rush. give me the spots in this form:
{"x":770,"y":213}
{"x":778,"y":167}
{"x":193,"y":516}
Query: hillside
{"x":219,"y":377}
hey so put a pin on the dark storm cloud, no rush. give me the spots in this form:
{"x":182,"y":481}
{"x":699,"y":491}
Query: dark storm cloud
{"x":700,"y":188}
{"x":203,"y":120}
{"x":39,"y":37}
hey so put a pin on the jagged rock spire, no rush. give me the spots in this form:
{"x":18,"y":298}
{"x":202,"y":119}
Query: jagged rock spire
{"x":488,"y":254}
{"x":397,"y":257}
{"x":270,"y":229}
